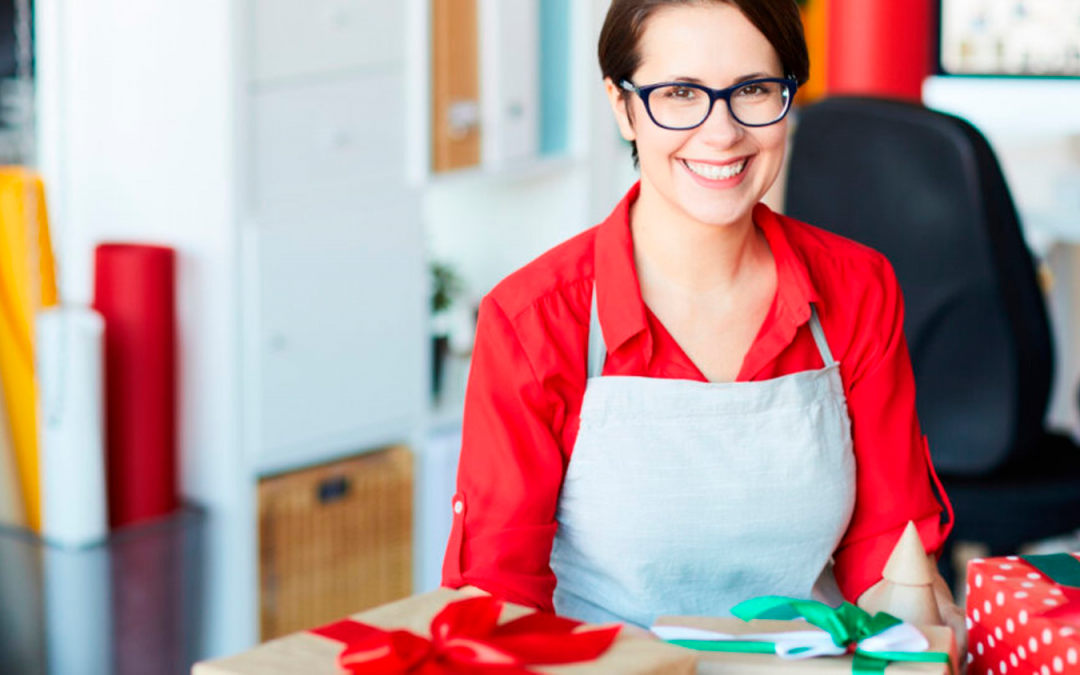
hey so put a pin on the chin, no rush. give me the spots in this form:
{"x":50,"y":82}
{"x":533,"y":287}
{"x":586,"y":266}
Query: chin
{"x":716,"y":211}
{"x":718,"y":218}
{"x":715,"y":207}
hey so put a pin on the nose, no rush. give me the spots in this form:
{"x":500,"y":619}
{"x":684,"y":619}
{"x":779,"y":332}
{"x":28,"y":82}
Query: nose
{"x":720,"y":128}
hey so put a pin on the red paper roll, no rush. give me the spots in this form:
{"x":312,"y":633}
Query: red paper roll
{"x":880,"y":47}
{"x":134,"y":289}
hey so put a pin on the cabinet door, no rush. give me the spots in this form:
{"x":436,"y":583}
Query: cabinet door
{"x":323,"y":139}
{"x":455,"y":85}
{"x":509,"y":68}
{"x":341,"y":328}
{"x":297,"y":38}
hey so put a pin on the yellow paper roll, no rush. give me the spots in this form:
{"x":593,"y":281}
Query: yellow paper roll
{"x":815,"y":20}
{"x":27,"y":283}
{"x":12,"y":511}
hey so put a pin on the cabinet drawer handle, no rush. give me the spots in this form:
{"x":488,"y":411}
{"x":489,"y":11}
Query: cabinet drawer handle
{"x":338,"y":17}
{"x":333,"y":489}
{"x":337,"y":139}
{"x":462,"y":118}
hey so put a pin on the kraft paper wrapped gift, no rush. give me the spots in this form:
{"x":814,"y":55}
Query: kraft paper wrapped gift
{"x":941,"y":641}
{"x":309,"y":654}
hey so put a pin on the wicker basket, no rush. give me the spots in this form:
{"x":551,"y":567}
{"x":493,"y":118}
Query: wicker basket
{"x":335,"y":540}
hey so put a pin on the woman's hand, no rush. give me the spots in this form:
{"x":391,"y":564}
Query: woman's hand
{"x":472,"y":591}
{"x":951,"y":614}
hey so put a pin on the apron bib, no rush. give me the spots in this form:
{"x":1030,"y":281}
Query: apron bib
{"x":686,"y":498}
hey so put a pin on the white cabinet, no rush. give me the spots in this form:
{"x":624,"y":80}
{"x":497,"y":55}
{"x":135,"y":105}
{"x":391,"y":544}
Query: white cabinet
{"x":509,"y":81}
{"x":336,"y":263}
{"x":317,"y":38}
{"x":339,"y":350}
{"x":313,"y":143}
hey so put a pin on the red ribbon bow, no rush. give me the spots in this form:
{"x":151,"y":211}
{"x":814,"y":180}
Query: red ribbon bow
{"x":466,"y":638}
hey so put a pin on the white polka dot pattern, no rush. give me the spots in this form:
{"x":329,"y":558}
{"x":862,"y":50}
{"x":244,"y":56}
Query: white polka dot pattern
{"x":1008,"y":630}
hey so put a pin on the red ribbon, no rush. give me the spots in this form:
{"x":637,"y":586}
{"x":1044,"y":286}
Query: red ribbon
{"x":466,"y":638}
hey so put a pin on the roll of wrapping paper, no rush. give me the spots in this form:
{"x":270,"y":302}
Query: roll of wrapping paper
{"x":12,"y":511}
{"x":27,"y":283}
{"x":134,"y":292}
{"x":815,"y":26}
{"x":70,"y":355}
{"x":880,"y":47}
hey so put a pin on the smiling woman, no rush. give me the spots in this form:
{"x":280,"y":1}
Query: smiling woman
{"x":698,"y":401}
{"x":714,"y":151}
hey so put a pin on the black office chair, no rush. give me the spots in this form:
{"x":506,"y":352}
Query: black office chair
{"x":926,"y":190}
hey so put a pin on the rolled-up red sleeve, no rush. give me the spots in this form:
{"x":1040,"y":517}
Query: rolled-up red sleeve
{"x":895,"y":480}
{"x":509,"y":475}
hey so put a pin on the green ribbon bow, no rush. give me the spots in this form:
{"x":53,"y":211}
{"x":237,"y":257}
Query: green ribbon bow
{"x":847,"y":625}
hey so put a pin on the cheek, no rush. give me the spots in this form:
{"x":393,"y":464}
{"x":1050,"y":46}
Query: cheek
{"x":775,"y":139}
{"x":659,"y":144}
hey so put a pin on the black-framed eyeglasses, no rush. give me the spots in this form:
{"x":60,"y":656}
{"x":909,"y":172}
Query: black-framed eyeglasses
{"x":680,"y":106}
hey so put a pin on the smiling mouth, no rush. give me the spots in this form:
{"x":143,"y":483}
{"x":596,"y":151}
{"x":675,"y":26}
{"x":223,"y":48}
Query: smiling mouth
{"x":714,"y":172}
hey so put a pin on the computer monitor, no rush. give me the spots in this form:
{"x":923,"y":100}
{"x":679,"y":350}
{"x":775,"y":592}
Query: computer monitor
{"x":1027,"y":38}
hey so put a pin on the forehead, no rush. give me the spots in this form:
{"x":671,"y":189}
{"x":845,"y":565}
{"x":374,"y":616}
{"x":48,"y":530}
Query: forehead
{"x":712,"y":42}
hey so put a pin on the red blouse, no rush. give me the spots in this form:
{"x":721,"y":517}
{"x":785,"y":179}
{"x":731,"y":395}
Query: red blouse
{"x":528,"y":378}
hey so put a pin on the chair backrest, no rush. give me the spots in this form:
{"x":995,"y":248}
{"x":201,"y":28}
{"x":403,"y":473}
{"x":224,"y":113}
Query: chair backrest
{"x":926,"y":190}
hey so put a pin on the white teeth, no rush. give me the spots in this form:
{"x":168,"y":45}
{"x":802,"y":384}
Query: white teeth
{"x":713,"y":172}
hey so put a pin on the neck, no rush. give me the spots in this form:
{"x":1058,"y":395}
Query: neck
{"x":673,"y":250}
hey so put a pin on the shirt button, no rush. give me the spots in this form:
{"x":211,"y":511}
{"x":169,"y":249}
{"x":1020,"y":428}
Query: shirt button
{"x":459,"y":506}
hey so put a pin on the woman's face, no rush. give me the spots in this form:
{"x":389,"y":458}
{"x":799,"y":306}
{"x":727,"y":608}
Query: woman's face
{"x":717,"y":46}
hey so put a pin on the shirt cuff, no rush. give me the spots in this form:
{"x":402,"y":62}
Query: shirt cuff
{"x":510,"y":563}
{"x":859,"y":565}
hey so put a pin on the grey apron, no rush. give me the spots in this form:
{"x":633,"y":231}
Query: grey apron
{"x":687,"y":497}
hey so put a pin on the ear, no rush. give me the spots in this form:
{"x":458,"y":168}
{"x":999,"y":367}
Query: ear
{"x":620,"y":108}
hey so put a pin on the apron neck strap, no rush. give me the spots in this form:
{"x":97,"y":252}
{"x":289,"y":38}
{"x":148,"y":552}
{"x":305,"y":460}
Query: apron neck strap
{"x":598,"y":349}
{"x":819,"y":338}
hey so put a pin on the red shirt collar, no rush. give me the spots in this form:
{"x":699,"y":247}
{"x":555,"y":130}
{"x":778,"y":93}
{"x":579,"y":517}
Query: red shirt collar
{"x":622,"y":309}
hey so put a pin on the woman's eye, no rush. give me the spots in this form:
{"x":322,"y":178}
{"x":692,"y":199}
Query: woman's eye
{"x":752,"y":90}
{"x":681,"y":93}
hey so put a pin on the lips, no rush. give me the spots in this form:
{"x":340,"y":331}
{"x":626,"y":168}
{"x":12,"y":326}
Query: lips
{"x":718,"y":175}
{"x":715,"y":171}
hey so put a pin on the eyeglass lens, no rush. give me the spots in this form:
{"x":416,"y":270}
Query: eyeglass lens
{"x":683,"y":107}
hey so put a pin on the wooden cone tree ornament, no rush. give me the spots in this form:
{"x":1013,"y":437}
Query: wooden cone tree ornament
{"x":907,"y":591}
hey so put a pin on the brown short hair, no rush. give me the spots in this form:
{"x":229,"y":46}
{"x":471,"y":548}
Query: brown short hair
{"x":778,"y":20}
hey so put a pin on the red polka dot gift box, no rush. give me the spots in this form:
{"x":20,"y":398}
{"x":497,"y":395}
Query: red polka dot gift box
{"x":1023,"y":615}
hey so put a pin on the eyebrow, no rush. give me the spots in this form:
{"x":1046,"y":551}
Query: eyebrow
{"x":695,"y":80}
